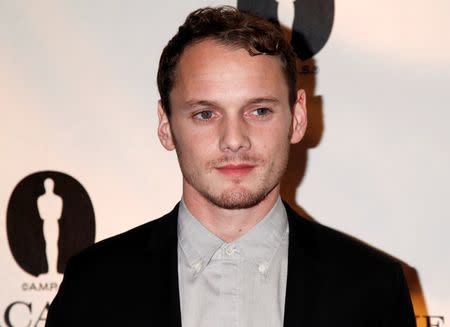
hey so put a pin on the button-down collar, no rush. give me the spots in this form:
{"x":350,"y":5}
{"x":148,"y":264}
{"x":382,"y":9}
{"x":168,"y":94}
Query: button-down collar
{"x":258,"y":245}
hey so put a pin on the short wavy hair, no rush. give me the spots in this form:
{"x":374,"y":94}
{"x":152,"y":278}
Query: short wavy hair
{"x":230,"y":27}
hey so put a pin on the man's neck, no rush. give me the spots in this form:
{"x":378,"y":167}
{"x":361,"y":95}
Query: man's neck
{"x":228,"y":224}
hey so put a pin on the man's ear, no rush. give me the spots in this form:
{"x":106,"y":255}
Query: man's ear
{"x":164,"y":131}
{"x":299,"y":120}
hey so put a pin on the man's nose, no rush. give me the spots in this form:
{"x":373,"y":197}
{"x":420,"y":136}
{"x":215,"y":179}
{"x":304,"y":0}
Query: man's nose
{"x":234,"y":135}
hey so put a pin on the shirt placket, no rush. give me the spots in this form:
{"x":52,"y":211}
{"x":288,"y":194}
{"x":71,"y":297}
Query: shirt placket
{"x":230,"y":291}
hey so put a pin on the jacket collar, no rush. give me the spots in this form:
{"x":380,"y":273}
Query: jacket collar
{"x":162,"y":249}
{"x":302,"y":272}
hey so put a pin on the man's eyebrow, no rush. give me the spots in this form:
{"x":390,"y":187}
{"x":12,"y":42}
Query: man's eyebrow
{"x":263,"y":100}
{"x":201,"y":103}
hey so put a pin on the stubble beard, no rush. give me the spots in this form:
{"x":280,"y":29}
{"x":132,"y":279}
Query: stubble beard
{"x":237,"y":196}
{"x":232,"y":199}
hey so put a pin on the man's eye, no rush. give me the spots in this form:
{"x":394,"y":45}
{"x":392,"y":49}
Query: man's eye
{"x":261,"y":112}
{"x":204,"y":115}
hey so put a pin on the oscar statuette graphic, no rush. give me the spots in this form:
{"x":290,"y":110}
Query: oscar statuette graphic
{"x":50,"y":208}
{"x":50,"y":217}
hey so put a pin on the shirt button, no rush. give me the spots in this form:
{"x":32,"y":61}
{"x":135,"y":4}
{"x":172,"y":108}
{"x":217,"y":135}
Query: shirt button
{"x":230,"y":249}
{"x":197,"y":266}
{"x":262,"y":268}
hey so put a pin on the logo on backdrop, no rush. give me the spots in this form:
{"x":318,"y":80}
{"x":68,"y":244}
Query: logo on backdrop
{"x":307,"y":24}
{"x":49,"y":218}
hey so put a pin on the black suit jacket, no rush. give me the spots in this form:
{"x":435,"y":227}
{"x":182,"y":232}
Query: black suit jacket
{"x":132,"y":280}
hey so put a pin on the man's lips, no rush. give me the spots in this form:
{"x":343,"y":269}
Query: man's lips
{"x":236,"y":170}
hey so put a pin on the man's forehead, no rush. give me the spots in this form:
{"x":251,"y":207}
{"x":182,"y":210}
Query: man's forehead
{"x":212,"y":59}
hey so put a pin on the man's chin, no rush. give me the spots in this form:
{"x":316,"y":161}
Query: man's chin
{"x":236,"y":200}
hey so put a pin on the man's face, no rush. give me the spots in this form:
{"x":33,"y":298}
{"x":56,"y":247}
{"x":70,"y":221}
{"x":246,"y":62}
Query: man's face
{"x":231,"y":124}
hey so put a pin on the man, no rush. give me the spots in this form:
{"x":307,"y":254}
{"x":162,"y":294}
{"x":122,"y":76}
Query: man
{"x":230,"y":253}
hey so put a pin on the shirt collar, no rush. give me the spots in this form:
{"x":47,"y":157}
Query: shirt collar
{"x":197,"y":242}
{"x":258,"y":245}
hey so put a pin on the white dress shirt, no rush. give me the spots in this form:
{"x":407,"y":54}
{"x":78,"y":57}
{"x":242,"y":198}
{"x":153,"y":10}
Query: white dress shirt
{"x":237,"y":284}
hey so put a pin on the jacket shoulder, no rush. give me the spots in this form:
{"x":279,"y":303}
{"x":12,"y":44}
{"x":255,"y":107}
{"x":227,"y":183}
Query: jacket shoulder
{"x":131,"y":245}
{"x":335,"y":247}
{"x":127,"y":273}
{"x":343,"y":276}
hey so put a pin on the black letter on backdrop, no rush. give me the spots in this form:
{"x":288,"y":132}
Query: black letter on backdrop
{"x":8,"y":309}
{"x":40,"y":318}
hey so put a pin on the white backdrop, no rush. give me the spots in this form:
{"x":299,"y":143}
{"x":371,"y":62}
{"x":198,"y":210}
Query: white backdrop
{"x":78,"y":96}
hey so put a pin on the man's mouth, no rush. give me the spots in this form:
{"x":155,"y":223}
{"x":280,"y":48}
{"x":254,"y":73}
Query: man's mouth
{"x":236,"y":170}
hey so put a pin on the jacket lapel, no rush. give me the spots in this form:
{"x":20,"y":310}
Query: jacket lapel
{"x":300,"y":300}
{"x":163,"y":247}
